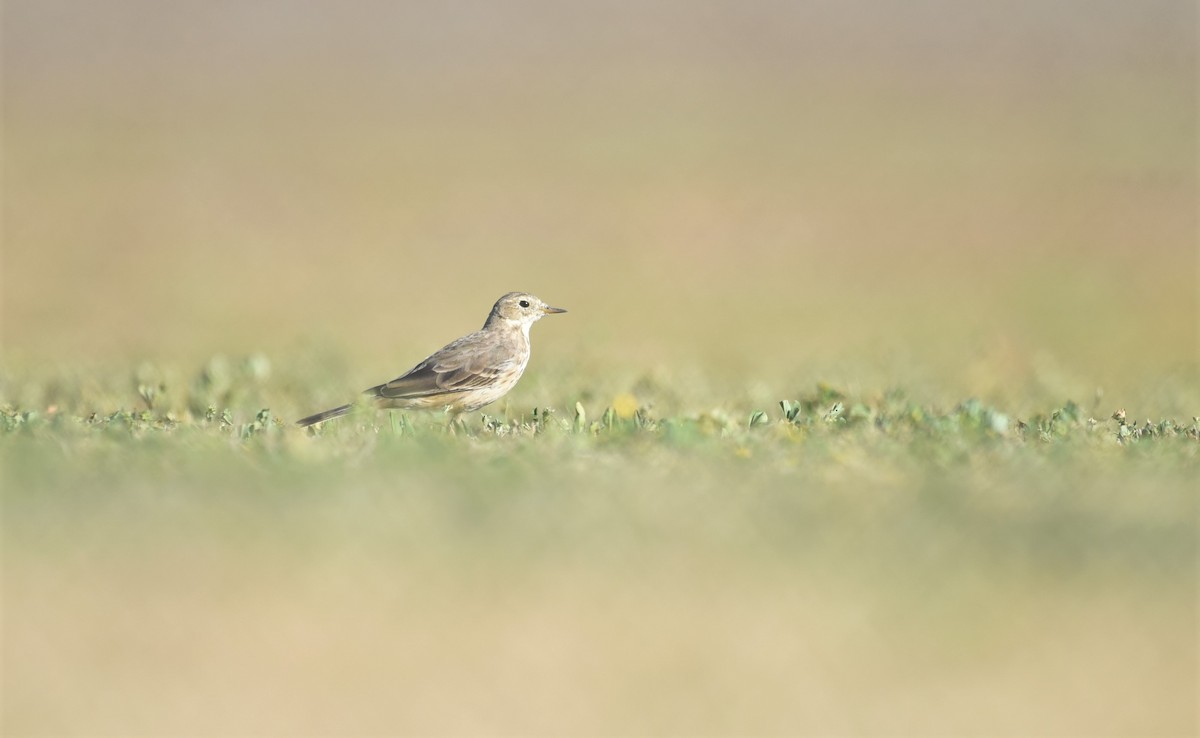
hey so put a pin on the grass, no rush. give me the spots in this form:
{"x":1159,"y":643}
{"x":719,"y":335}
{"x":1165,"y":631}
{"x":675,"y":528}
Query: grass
{"x":832,"y":563}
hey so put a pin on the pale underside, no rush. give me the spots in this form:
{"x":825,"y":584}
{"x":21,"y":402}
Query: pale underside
{"x":465,"y":375}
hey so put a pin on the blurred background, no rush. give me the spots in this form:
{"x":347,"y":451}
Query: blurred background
{"x":988,"y":195}
{"x":735,"y":201}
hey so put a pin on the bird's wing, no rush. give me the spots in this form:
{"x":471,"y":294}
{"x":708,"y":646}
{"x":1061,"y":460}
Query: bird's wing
{"x":473,"y":361}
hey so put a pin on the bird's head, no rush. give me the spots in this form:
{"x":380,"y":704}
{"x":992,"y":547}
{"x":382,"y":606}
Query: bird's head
{"x":520,"y":309}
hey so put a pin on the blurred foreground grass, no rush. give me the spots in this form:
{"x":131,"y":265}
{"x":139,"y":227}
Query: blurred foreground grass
{"x":684,"y":558}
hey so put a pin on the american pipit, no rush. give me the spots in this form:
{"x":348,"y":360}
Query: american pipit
{"x":466,"y":374}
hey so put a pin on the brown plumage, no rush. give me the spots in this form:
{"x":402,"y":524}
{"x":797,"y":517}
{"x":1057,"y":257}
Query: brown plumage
{"x":467,"y":373}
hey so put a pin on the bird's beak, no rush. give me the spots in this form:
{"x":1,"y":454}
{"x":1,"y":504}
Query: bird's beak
{"x":549,"y":310}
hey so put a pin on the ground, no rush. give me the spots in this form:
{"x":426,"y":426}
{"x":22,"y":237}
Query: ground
{"x":831,"y":563}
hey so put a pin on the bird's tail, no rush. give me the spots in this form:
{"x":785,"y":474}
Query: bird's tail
{"x":321,"y":417}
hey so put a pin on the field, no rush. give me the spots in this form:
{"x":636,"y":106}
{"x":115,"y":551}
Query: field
{"x":874,"y":413}
{"x":615,"y":570}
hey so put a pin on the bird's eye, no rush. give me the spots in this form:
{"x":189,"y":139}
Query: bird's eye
{"x":524,"y":303}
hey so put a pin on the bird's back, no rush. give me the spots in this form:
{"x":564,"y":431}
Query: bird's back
{"x":465,"y":375}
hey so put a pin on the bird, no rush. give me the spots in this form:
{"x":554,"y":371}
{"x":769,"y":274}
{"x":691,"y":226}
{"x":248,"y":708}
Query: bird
{"x":465,"y":374}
